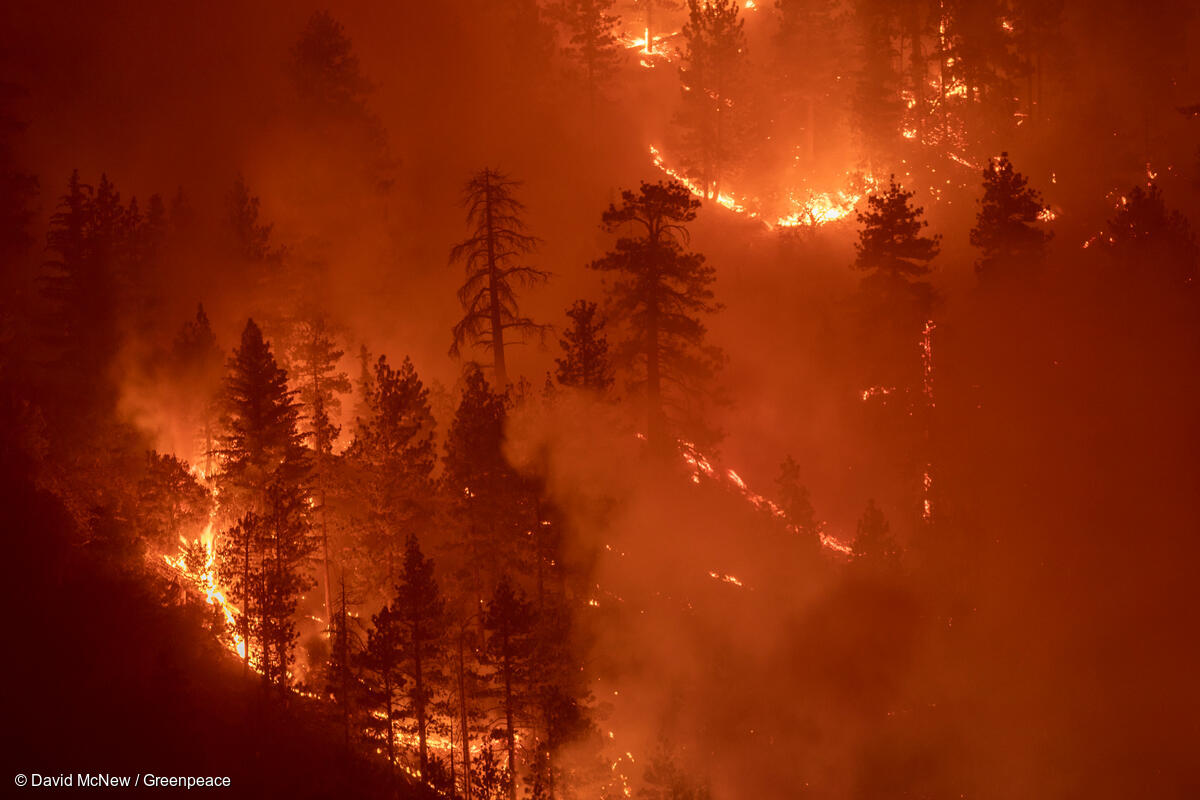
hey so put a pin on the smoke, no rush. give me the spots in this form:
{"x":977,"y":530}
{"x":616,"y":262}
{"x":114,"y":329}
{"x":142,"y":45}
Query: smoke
{"x":1063,"y":450}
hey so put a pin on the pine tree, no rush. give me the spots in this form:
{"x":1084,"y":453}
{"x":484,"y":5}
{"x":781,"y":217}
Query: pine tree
{"x":981,"y":52}
{"x":70,"y":277}
{"x":894,"y":254}
{"x":332,"y":94}
{"x":890,"y":244}
{"x":251,"y":237}
{"x":665,"y":779}
{"x":916,"y":20}
{"x":795,"y":502}
{"x":493,"y":258}
{"x":347,"y":654}
{"x":481,"y":485}
{"x":1006,"y":229}
{"x":264,"y":472}
{"x":876,"y":103}
{"x":324,"y":68}
{"x":509,"y":623}
{"x":810,"y":54}
{"x":287,"y":544}
{"x":261,"y":442}
{"x":592,"y":44}
{"x":560,"y":696}
{"x":1037,"y":25}
{"x":197,"y":365}
{"x":713,"y":78}
{"x":661,"y":292}
{"x":146,"y":282}
{"x":315,"y":358}
{"x":420,"y":611}
{"x":82,"y":278}
{"x":466,"y":690}
{"x":395,"y":451}
{"x":585,"y":363}
{"x":239,"y":567}
{"x":874,"y":545}
{"x":171,"y":502}
{"x":385,"y":685}
{"x":1154,"y":241}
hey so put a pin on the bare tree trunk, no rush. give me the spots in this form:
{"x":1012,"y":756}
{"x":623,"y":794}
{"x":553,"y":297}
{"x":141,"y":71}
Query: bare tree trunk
{"x":655,"y":424}
{"x":387,"y":703}
{"x":325,"y":563}
{"x":510,"y":725}
{"x":344,"y":665}
{"x":419,"y":704}
{"x":497,"y":321}
{"x":917,"y":70}
{"x":462,"y":707}
{"x":245,"y":621}
{"x":321,"y":444}
{"x":539,"y":551}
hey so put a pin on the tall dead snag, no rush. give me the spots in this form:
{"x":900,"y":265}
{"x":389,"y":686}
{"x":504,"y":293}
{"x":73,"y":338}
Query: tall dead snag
{"x":493,"y":258}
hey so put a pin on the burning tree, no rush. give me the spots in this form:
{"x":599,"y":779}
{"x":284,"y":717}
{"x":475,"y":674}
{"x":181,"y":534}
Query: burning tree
{"x":713,"y":88}
{"x":585,"y":362}
{"x":651,"y":9}
{"x":1006,"y":229}
{"x":492,"y":258}
{"x":660,"y":294}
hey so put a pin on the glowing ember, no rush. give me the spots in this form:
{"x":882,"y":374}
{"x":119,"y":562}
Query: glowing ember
{"x":725,"y":578}
{"x":701,"y":466}
{"x":876,"y":391}
{"x":927,"y":375}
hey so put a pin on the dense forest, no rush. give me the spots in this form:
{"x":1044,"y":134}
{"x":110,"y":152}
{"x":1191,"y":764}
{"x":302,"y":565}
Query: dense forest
{"x":653,"y":399}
